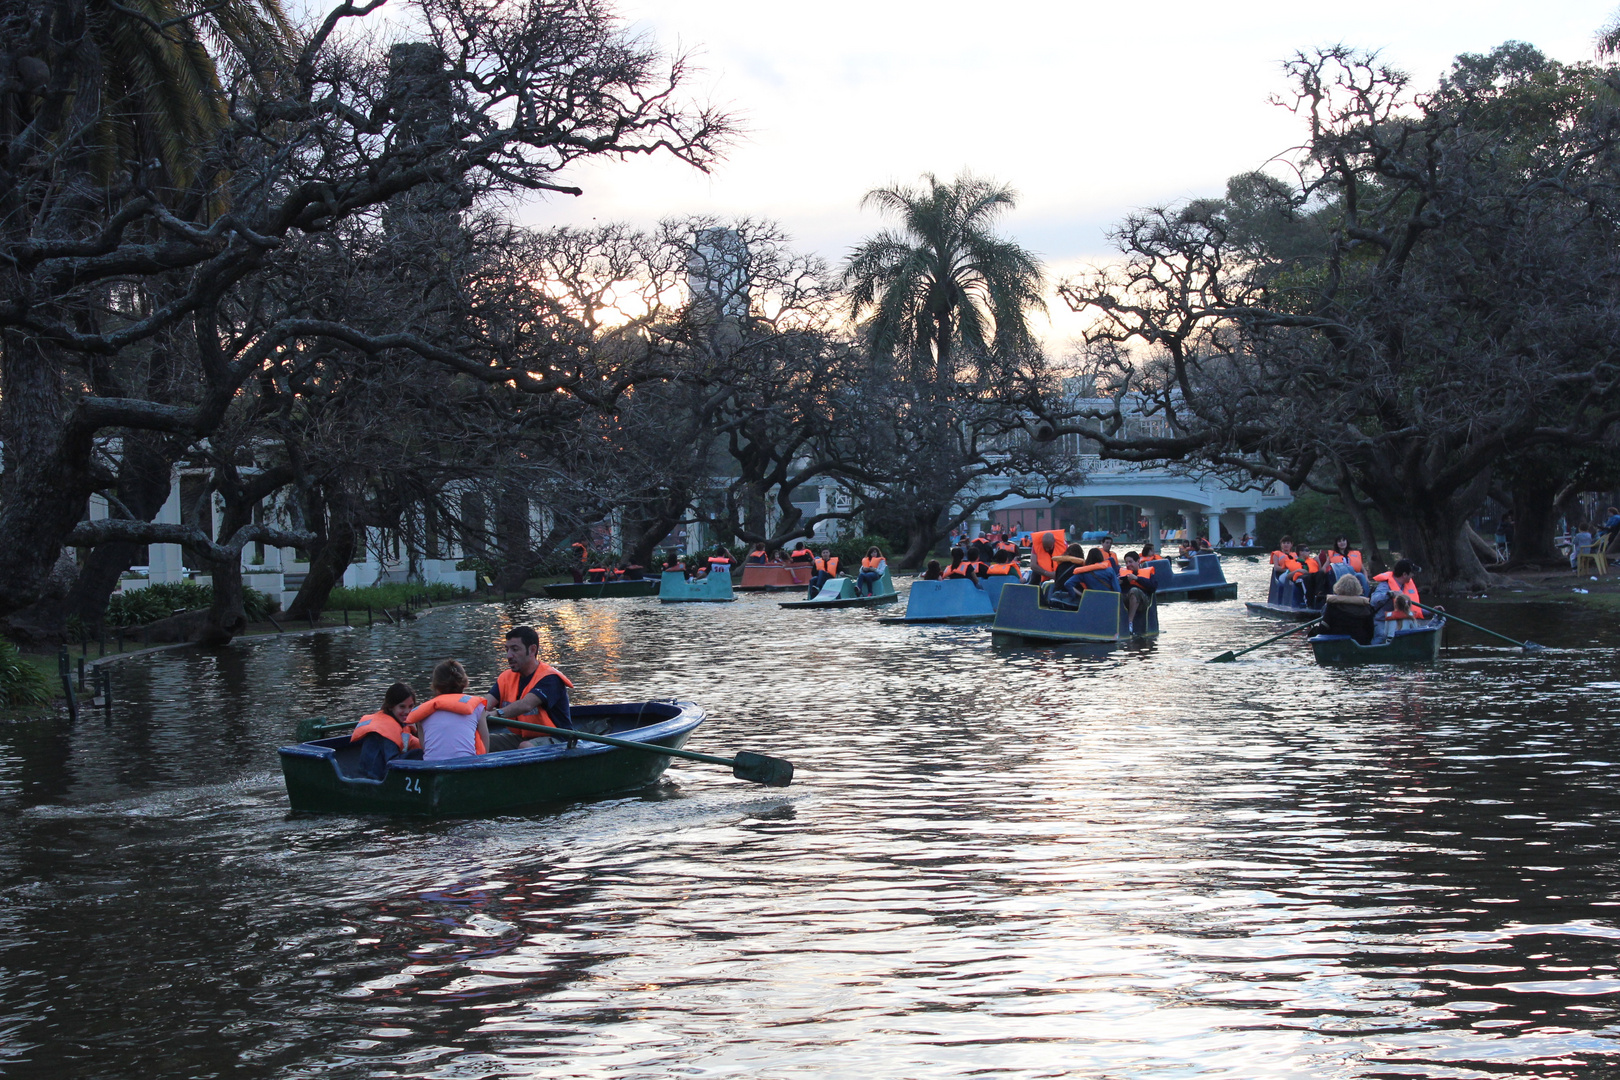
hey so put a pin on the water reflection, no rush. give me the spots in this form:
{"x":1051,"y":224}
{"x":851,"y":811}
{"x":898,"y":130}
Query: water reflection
{"x":1022,"y":862}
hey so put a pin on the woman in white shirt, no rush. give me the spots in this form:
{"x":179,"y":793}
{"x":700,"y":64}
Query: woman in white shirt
{"x":452,"y":721}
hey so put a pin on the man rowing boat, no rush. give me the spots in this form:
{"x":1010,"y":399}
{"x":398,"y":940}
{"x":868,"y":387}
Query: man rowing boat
{"x":530,"y":690}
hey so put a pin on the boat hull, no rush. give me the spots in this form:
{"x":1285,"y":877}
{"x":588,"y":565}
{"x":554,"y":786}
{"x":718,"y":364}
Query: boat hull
{"x":1419,"y":645}
{"x":842,"y":592}
{"x":1204,"y":581}
{"x":1285,"y":599}
{"x":1279,"y":611}
{"x":506,"y":782}
{"x":774,"y":577}
{"x":955,"y":601}
{"x":1023,"y":614}
{"x":603,"y":590}
{"x":715,"y":588}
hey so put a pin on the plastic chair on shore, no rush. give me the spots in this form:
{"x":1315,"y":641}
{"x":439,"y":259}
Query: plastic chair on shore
{"x":1595,"y":558}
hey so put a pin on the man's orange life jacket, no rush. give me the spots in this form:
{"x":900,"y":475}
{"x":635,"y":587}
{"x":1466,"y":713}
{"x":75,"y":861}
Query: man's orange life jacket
{"x":1410,"y":589}
{"x":465,"y":704}
{"x":1044,"y":559}
{"x":513,"y":687}
{"x":1001,"y":569}
{"x":380,"y":723}
{"x":1113,"y":560}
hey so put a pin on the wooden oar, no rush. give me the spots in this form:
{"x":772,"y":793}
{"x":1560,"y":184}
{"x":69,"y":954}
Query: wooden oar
{"x":772,"y":772}
{"x":1527,"y":646}
{"x":1228,"y":657}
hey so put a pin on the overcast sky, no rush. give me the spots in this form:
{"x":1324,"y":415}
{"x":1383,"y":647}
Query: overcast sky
{"x":1087,"y":109}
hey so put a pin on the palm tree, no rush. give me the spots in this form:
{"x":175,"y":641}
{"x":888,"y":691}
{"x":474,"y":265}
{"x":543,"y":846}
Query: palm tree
{"x":945,"y":281}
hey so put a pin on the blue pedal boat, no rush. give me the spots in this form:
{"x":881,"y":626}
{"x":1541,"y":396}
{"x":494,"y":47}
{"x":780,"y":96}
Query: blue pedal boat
{"x":1285,"y":600}
{"x":1023,"y":613}
{"x":956,"y":600}
{"x":841,"y":592}
{"x":320,"y":774}
{"x":714,"y":588}
{"x":1205,"y":581}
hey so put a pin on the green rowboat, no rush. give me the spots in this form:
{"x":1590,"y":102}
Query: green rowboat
{"x":319,"y":780}
{"x":603,"y":590}
{"x":1418,"y":645}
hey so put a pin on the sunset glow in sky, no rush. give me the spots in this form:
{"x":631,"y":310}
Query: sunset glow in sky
{"x":1087,"y":109}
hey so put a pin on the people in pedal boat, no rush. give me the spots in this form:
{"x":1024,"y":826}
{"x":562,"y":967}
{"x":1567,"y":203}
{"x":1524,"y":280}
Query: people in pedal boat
{"x":1106,"y":546}
{"x":959,"y":567}
{"x":672,"y":564}
{"x":873,"y":566}
{"x":933,"y":573}
{"x":1395,"y":583}
{"x":826,"y":565}
{"x":720,"y":560}
{"x":383,"y":735}
{"x":452,"y":720}
{"x":530,"y":690}
{"x":801,"y":555}
{"x":1079,"y":570}
{"x":1003,"y":564}
{"x":759,"y":554}
{"x":1136,"y":585}
{"x":1346,"y":611}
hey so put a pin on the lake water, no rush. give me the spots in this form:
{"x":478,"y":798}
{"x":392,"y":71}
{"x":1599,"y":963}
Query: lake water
{"x":993,"y":862}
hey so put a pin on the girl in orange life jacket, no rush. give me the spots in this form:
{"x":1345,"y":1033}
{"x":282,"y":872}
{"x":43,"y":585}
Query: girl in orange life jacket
{"x":959,"y":567}
{"x":758,"y":554}
{"x":872,"y":567}
{"x":452,"y":721}
{"x":1342,"y":552}
{"x":530,"y":690}
{"x":382,"y":735}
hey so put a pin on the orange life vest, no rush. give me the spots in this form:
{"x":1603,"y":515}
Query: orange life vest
{"x":1354,"y":559}
{"x":1113,"y":560}
{"x":1001,"y":569}
{"x":722,"y":561}
{"x":465,"y":704}
{"x":507,"y":687}
{"x":960,"y":570}
{"x":1410,"y":589}
{"x":1044,"y":559}
{"x":380,"y":723}
{"x":828,"y":566}
{"x":870,"y":563}
{"x":1280,"y":558}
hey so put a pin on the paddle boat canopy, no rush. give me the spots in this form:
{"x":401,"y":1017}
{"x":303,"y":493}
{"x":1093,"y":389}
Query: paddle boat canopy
{"x":321,"y":774}
{"x":1415,"y":644}
{"x":713,"y":588}
{"x":955,"y":600}
{"x":1204,"y":581}
{"x":841,"y":592}
{"x":1024,"y":613}
{"x":603,"y":590}
{"x":770,"y":577}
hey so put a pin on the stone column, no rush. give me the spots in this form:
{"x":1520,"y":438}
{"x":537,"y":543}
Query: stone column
{"x":1249,"y":522}
{"x":1214,"y":526}
{"x":163,"y":560}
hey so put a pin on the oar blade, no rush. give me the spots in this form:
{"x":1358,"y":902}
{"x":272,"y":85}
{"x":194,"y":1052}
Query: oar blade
{"x":1228,"y":657}
{"x":1530,"y":646}
{"x":770,"y":771}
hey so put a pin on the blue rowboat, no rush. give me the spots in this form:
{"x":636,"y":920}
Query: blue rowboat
{"x":713,"y":588}
{"x":1023,"y":613}
{"x":1413,"y":645}
{"x":956,"y":600}
{"x":320,"y":775}
{"x":1205,"y":581}
{"x":841,"y":592}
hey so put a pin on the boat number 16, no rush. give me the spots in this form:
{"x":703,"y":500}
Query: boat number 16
{"x":413,"y":784}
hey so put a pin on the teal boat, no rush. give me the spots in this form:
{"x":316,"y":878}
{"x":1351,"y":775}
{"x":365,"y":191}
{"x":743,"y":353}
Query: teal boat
{"x":1205,"y":580}
{"x":320,"y":774}
{"x":956,"y":600}
{"x":1024,"y":614}
{"x":713,"y":588}
{"x":1413,"y":645}
{"x":603,"y":590}
{"x":841,"y":592}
